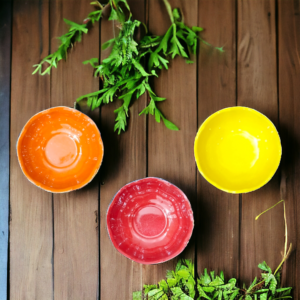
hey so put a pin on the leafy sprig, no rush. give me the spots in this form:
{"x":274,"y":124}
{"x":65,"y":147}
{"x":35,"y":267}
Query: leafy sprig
{"x":67,"y":41}
{"x":124,"y":75}
{"x":182,"y":284}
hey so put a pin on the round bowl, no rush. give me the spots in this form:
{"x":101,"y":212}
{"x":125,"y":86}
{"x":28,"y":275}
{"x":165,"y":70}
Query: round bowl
{"x":237,"y":149}
{"x":60,"y":149}
{"x":150,"y":221}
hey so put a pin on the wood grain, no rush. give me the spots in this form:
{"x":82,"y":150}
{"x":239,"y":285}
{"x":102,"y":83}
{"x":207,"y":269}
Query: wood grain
{"x":5,"y":62}
{"x":31,"y":231}
{"x":218,"y":212}
{"x":289,"y":117}
{"x":124,"y":161}
{"x":76,"y":235}
{"x":257,"y":88}
{"x":170,"y":153}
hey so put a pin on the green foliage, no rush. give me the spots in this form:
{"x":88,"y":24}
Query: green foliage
{"x":181,"y":284}
{"x":67,"y":41}
{"x":124,"y":73}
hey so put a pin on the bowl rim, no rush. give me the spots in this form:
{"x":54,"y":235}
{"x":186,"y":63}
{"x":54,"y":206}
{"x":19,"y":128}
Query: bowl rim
{"x":41,"y":186}
{"x":186,"y":241}
{"x":197,"y":159}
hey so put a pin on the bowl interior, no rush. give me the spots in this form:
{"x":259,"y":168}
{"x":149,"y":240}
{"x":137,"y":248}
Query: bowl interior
{"x":150,"y":221}
{"x":60,"y":149}
{"x":237,"y":149}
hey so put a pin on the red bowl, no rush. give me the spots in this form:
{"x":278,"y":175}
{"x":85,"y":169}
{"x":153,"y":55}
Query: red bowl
{"x":150,"y":221}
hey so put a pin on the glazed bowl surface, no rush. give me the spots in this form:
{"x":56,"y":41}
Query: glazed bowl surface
{"x":60,"y":149}
{"x":237,"y":149}
{"x":150,"y":221}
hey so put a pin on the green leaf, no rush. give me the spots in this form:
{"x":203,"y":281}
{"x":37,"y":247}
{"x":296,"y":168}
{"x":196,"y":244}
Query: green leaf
{"x":154,"y":292}
{"x":188,"y":262}
{"x":188,"y":61}
{"x":38,"y":68}
{"x":252,"y":285}
{"x":208,"y":289}
{"x":148,"y":288}
{"x":217,"y":281}
{"x":197,"y":29}
{"x":163,"y":285}
{"x":176,"y":14}
{"x":125,"y":2}
{"x":137,"y":295}
{"x":263,"y":266}
{"x":220,"y":49}
{"x":171,"y":282}
{"x":76,"y":26}
{"x":202,"y":294}
{"x":278,"y":278}
{"x":157,"y":116}
{"x":169,"y":124}
{"x":184,"y":274}
{"x":280,"y":290}
{"x":270,"y":279}
{"x":220,"y":295}
{"x":163,"y":61}
{"x":234,"y":295}
{"x":222,"y":275}
{"x":179,"y":294}
{"x":204,"y":279}
{"x":261,"y":291}
{"x":108,"y":44}
{"x":139,"y":67}
{"x":263,"y":296}
{"x":164,"y":42}
{"x":91,"y":61}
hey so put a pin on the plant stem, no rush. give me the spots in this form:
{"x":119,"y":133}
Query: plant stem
{"x":268,"y":209}
{"x":169,"y":9}
{"x":285,"y":242}
{"x":283,"y":260}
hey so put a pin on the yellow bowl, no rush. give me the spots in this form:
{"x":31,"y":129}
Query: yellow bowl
{"x":237,"y":149}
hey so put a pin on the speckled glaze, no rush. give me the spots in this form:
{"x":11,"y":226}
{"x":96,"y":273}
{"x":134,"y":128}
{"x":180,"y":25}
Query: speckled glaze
{"x":60,"y":149}
{"x":150,"y":221}
{"x":237,"y":149}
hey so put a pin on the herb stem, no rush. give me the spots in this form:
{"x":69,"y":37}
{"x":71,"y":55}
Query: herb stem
{"x":268,"y":209}
{"x":169,"y":9}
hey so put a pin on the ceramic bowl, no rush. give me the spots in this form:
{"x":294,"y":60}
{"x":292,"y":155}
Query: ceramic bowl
{"x":237,"y":149}
{"x":150,"y":221}
{"x":60,"y":149}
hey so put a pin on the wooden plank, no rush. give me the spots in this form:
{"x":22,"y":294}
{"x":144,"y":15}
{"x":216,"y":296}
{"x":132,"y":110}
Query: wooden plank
{"x":76,"y":235}
{"x":31,"y":228}
{"x":124,"y":161}
{"x":289,"y":118}
{"x":218,"y":212}
{"x":257,"y":88}
{"x":170,"y":153}
{"x":5,"y":61}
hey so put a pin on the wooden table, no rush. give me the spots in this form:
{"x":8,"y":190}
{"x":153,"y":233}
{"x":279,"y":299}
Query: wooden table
{"x":58,"y":245}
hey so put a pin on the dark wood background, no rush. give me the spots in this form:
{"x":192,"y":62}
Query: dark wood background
{"x":58,"y":246}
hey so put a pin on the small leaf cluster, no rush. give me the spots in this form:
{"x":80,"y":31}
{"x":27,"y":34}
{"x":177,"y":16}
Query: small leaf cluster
{"x":211,"y":287}
{"x":127,"y":72}
{"x":182,"y":285}
{"x":67,"y":41}
{"x":124,"y":73}
{"x":179,"y":284}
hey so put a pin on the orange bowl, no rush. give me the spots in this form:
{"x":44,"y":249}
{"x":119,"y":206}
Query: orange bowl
{"x":60,"y":149}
